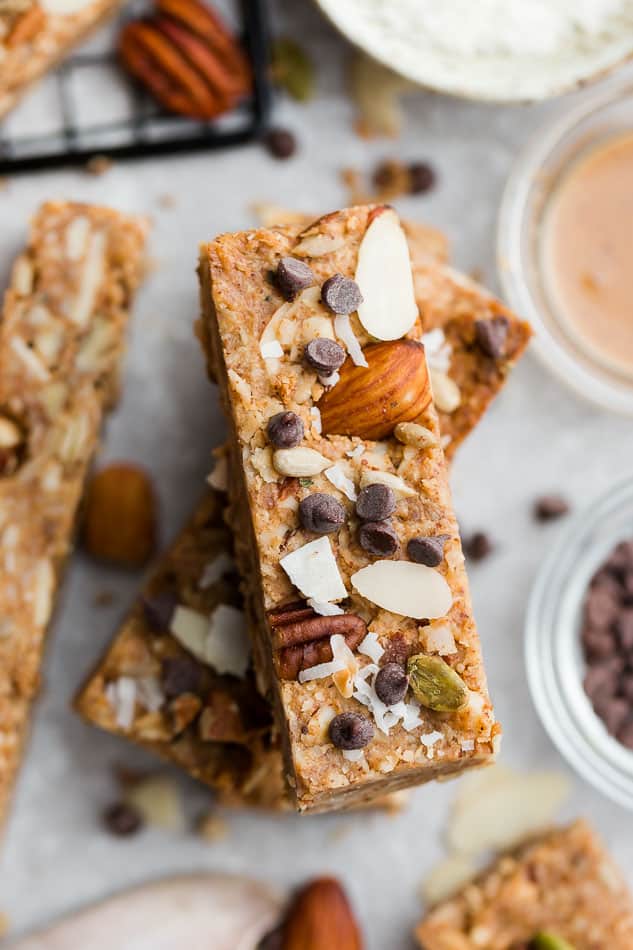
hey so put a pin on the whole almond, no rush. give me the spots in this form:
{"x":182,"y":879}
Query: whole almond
{"x":120,"y":516}
{"x":321,"y":918}
{"x":370,"y":401}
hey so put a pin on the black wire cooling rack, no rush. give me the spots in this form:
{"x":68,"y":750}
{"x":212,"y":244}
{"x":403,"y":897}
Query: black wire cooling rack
{"x":76,"y":131}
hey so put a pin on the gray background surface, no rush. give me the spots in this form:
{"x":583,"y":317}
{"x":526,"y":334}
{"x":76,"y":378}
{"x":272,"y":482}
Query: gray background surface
{"x":538,"y":438}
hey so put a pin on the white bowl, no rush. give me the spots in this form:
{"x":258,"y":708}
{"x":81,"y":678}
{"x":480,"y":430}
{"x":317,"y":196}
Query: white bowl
{"x":385,"y":29}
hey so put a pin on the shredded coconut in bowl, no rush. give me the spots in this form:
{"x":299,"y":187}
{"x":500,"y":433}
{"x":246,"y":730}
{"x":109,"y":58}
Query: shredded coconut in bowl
{"x":492,"y":49}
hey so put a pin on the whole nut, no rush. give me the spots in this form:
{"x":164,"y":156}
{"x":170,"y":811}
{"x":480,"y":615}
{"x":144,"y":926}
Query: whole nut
{"x":320,"y":918}
{"x":435,"y":684}
{"x":370,"y":401}
{"x":299,"y":462}
{"x":120,"y":516}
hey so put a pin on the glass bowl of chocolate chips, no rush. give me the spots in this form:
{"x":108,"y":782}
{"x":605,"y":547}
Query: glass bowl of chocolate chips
{"x":579,"y":643}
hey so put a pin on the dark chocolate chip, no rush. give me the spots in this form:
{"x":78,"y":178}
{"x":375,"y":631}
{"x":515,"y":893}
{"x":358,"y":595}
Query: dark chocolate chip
{"x":621,"y":559}
{"x":351,"y":731}
{"x":122,"y":819}
{"x":422,"y":177}
{"x":550,"y":507}
{"x":378,"y":537}
{"x":625,"y":734}
{"x":280,"y":143}
{"x":492,"y":336}
{"x":391,"y":684}
{"x":325,"y":356}
{"x":293,"y":276}
{"x":285,"y":430}
{"x":601,"y":679}
{"x":341,"y":294}
{"x":427,"y":550}
{"x":375,"y":503}
{"x":624,"y":629}
{"x":614,"y":712}
{"x":478,"y":546}
{"x":598,"y":644}
{"x":180,"y":674}
{"x":625,"y":687}
{"x":159,"y":610}
{"x":321,"y":513}
{"x":601,"y":608}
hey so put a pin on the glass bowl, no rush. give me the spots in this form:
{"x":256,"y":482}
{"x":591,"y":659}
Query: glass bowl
{"x":554,"y":661}
{"x":600,"y":116}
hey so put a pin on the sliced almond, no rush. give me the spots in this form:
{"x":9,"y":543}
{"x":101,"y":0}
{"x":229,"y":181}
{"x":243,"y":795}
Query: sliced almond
{"x":299,"y":462}
{"x":190,"y":628}
{"x":312,"y":568}
{"x":43,"y":590}
{"x":383,"y":273}
{"x":92,"y":273}
{"x":404,"y":588}
{"x":318,"y":245}
{"x":446,"y":394}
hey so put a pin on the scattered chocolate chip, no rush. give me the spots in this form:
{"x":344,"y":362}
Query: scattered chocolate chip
{"x":351,"y":731}
{"x":159,"y":609}
{"x":180,"y":674}
{"x":122,"y":819}
{"x":325,"y":356}
{"x":280,"y":143}
{"x":378,"y":537}
{"x":478,"y":546}
{"x":321,"y":513}
{"x":422,"y":178}
{"x":601,"y":608}
{"x":491,"y":336}
{"x":293,"y":276}
{"x":391,"y":684}
{"x":285,"y":430}
{"x":550,"y":507}
{"x":341,"y":294}
{"x":428,"y":551}
{"x":375,"y":503}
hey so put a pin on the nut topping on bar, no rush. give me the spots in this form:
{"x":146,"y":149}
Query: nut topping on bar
{"x":370,"y":401}
{"x":302,"y":638}
{"x":435,"y":684}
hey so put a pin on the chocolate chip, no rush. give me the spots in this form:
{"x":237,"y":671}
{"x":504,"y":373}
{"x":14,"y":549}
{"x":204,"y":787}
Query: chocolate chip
{"x":601,"y":608}
{"x":375,"y":503}
{"x":158,"y":610}
{"x":422,"y":177}
{"x":598,"y":644}
{"x":391,"y":684}
{"x":180,"y":674}
{"x":293,"y":276}
{"x":378,"y":537}
{"x":321,"y":513}
{"x":621,"y":559}
{"x":325,"y":356}
{"x":122,"y":819}
{"x":351,"y":731}
{"x":341,"y":294}
{"x":280,"y":143}
{"x":624,"y":629}
{"x":625,"y":734}
{"x":601,"y":679}
{"x":285,"y":430}
{"x":427,"y":550}
{"x":478,"y":546}
{"x":550,"y":507}
{"x":625,"y":687}
{"x":613,"y":712}
{"x":491,"y":336}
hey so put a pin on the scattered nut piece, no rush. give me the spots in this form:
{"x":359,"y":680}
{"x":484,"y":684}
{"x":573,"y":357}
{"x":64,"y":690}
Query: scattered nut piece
{"x":120,"y":516}
{"x":411,"y":433}
{"x":158,"y":800}
{"x":320,"y":917}
{"x":446,"y":394}
{"x":376,"y":91}
{"x":299,"y":461}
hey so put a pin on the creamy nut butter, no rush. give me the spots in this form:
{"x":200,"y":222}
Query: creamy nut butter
{"x":587,"y":246}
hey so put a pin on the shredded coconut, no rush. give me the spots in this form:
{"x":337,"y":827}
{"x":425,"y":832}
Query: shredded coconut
{"x":214,"y":570}
{"x":316,"y":419}
{"x":271,"y":349}
{"x":324,"y":608}
{"x":121,"y":694}
{"x":438,"y":350}
{"x":340,"y":480}
{"x":344,"y":331}
{"x":371,"y":647}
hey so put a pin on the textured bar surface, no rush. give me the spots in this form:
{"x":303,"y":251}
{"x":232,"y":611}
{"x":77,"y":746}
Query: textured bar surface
{"x":61,"y":342}
{"x":564,"y":884}
{"x":239,"y":301}
{"x":33,"y":40}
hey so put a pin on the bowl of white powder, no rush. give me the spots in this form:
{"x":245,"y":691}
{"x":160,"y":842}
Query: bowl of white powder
{"x":496,"y":50}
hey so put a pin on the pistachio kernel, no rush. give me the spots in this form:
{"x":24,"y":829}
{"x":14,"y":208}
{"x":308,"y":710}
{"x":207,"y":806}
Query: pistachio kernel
{"x":435,"y":684}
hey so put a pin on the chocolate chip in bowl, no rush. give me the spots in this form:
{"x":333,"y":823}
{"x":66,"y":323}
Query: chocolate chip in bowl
{"x":579,"y":642}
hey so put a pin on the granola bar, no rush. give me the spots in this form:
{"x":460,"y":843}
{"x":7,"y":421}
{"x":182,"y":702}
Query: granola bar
{"x":341,"y":489}
{"x":61,"y":342}
{"x":158,"y":689}
{"x":34,"y":37}
{"x":563,"y":886}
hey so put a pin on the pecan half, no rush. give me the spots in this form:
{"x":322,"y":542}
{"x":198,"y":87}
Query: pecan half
{"x":302,"y":637}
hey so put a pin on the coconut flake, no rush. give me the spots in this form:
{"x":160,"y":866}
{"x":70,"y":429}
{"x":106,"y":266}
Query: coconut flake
{"x":371,"y":476}
{"x":344,"y":331}
{"x":316,"y":420}
{"x":467,"y":745}
{"x":340,"y":480}
{"x":227,"y":646}
{"x":353,"y":755}
{"x":325,"y":609}
{"x":121,"y":694}
{"x":215,"y":569}
{"x":356,"y":453}
{"x":331,"y":380}
{"x":271,"y":349}
{"x":438,"y":350}
{"x":371,"y":647}
{"x":431,"y":738}
{"x":150,"y":693}
{"x":438,"y":638}
{"x":312,"y":568}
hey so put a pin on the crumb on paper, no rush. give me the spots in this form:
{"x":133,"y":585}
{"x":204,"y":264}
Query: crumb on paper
{"x":98,"y":165}
{"x":166,"y":201}
{"x":211,"y":827}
